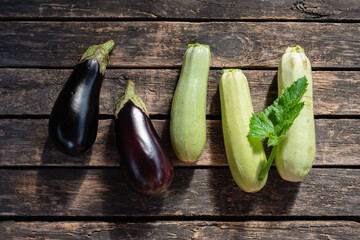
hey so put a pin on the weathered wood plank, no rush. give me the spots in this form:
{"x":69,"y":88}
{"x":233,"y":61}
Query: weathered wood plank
{"x":162,"y":44}
{"x":185,"y":9}
{"x":25,"y":143}
{"x":194,"y":192}
{"x":34,"y":91}
{"x":182,"y":230}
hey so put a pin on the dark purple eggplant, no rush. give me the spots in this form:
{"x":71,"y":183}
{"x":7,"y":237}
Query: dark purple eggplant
{"x":73,"y":121}
{"x":144,"y":161}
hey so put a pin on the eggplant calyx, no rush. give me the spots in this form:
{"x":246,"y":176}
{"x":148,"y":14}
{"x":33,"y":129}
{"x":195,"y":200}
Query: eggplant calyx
{"x":100,"y":53}
{"x":130,"y":96}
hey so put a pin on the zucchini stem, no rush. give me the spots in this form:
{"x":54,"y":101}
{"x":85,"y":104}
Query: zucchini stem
{"x":266,"y":169}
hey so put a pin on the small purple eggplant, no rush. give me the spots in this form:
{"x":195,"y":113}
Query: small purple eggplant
{"x":73,"y":121}
{"x":143,"y":159}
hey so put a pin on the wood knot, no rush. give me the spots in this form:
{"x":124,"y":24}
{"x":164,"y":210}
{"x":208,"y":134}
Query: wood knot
{"x":314,"y":8}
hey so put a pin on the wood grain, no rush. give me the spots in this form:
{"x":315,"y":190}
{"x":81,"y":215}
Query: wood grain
{"x":41,"y":41}
{"x":182,"y":230}
{"x":26,"y":143}
{"x":185,"y":9}
{"x":162,"y":44}
{"x":194,"y":192}
{"x":34,"y":91}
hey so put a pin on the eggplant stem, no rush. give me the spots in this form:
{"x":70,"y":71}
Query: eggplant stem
{"x":108,"y":46}
{"x":100,"y":53}
{"x":130,"y":89}
{"x":266,"y":169}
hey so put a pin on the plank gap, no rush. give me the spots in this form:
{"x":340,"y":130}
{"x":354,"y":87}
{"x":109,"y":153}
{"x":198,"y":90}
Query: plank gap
{"x":163,"y":19}
{"x":91,"y":167}
{"x":124,"y":67}
{"x":163,"y":117}
{"x":179,"y":218}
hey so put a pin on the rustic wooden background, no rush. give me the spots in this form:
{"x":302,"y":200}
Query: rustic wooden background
{"x":46,"y":194}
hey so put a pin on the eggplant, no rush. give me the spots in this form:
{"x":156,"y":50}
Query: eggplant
{"x":73,"y":121}
{"x":144,"y":161}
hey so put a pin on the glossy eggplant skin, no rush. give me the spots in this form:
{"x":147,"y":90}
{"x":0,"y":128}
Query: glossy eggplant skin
{"x":143,"y":159}
{"x":73,"y":121}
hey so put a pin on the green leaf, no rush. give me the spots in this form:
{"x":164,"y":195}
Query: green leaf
{"x":275,"y":121}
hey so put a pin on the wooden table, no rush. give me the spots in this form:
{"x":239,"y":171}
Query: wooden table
{"x":46,"y":194}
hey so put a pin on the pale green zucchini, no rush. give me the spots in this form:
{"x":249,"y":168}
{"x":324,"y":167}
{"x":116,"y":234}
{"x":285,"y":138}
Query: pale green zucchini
{"x":245,"y":155}
{"x":296,"y":152}
{"x":188,"y":109}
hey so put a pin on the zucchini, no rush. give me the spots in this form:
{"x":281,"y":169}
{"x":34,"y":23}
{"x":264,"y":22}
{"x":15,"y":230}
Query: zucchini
{"x":246,"y":155}
{"x":296,"y":152}
{"x":188,"y":109}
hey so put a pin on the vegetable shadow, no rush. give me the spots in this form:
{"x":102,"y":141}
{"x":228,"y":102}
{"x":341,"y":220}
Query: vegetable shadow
{"x":119,"y":200}
{"x":213,"y":105}
{"x":214,"y":139}
{"x":275,"y":199}
{"x":272,"y":92}
{"x":107,"y":156}
{"x":165,"y":138}
{"x":51,"y":156}
{"x":56,"y":188}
